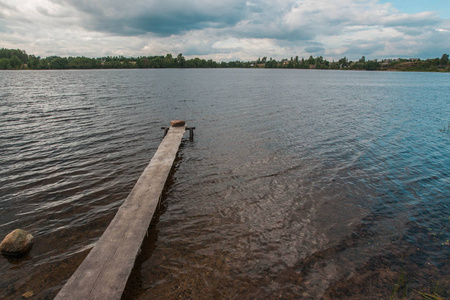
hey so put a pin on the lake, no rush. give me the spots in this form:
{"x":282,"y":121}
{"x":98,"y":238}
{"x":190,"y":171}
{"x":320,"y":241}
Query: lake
{"x":299,"y":183}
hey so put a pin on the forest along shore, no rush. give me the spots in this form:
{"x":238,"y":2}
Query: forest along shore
{"x":15,"y":59}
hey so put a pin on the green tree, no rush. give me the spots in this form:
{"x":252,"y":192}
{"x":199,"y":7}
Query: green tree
{"x":10,"y":53}
{"x":15,"y":62}
{"x":444,"y":59}
{"x":321,"y":63}
{"x":143,"y":62}
{"x":33,"y":62}
{"x":81,"y":63}
{"x":372,"y":65}
{"x":434,"y":61}
{"x":272,"y":63}
{"x":59,"y":63}
{"x":343,"y":62}
{"x":334,"y":65}
{"x":126,"y":64}
{"x":181,"y":61}
{"x":4,"y":64}
{"x":168,"y":61}
{"x":303,"y":64}
{"x":43,"y":64}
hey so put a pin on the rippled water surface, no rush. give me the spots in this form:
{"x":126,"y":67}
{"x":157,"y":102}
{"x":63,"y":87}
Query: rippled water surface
{"x":299,"y":183}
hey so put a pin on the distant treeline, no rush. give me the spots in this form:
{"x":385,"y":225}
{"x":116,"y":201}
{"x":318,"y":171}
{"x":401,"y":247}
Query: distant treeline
{"x":14,"y":59}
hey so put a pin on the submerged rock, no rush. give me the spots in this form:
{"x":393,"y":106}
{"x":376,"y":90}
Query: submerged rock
{"x":28,"y":294}
{"x":177,"y":123}
{"x":17,"y":243}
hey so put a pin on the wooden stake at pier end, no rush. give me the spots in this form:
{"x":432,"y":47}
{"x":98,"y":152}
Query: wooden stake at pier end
{"x":177,"y":123}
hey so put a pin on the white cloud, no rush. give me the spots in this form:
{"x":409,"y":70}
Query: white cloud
{"x":231,"y":29}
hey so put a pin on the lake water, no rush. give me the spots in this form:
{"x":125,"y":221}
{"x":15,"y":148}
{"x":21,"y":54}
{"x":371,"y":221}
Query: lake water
{"x":299,"y":183}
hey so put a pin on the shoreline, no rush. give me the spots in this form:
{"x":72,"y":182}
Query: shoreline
{"x":234,"y":68}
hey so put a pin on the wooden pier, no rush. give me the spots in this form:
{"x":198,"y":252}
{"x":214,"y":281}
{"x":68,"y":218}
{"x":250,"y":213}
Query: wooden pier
{"x":105,"y":271}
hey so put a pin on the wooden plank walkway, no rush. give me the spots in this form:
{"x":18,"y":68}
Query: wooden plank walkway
{"x":105,"y":271}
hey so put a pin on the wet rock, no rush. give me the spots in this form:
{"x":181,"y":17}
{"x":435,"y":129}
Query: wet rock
{"x":17,"y":243}
{"x":177,"y":123}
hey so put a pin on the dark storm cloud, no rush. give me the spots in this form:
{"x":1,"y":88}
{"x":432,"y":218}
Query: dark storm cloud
{"x":314,"y":49}
{"x":163,"y":18}
{"x":273,"y":31}
{"x":244,"y":19}
{"x":175,"y":24}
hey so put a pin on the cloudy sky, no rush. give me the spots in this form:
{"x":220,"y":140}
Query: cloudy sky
{"x":225,"y":30}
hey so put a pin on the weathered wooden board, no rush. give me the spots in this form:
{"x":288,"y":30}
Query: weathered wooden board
{"x":105,"y":271}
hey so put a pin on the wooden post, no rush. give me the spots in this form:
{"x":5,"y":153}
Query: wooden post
{"x":105,"y":271}
{"x":191,"y":132}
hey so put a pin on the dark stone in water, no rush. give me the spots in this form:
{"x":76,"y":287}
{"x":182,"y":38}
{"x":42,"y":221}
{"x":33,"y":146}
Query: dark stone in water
{"x":17,"y":243}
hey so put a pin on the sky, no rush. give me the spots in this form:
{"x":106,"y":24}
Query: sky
{"x":225,"y":30}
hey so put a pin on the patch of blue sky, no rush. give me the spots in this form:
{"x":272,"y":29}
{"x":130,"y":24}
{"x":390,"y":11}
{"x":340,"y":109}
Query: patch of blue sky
{"x":441,"y":7}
